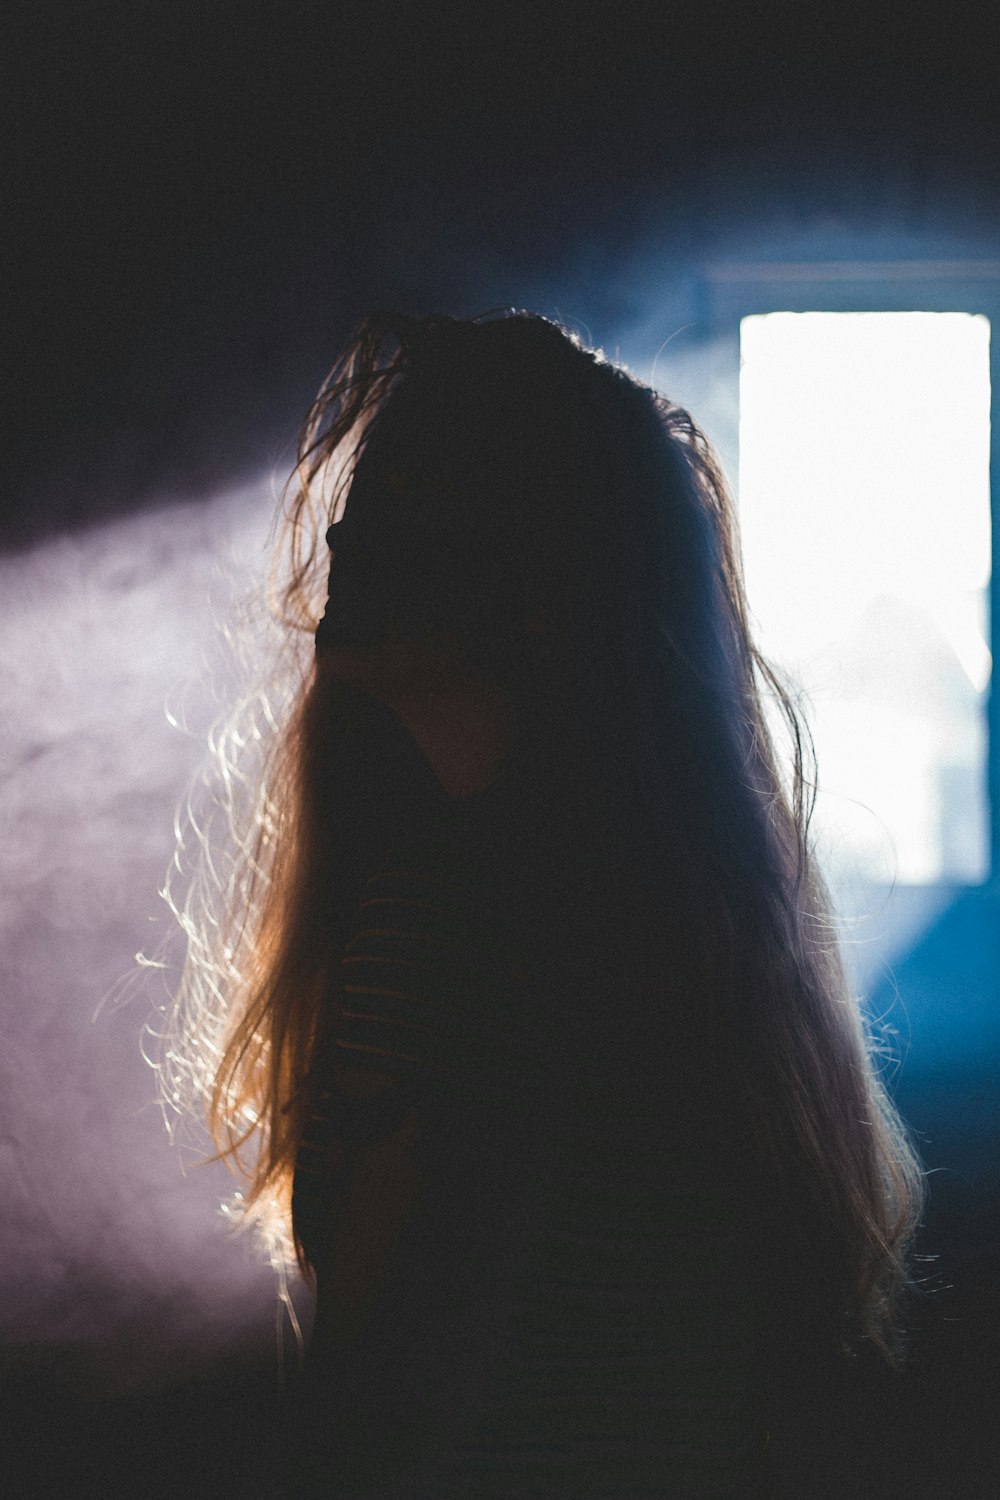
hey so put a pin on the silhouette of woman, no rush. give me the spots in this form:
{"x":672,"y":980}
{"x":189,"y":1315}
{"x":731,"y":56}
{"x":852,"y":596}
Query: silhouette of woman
{"x":528,"y":996}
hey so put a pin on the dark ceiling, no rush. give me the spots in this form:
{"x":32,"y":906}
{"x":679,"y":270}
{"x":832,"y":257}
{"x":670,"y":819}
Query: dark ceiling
{"x":200,"y":198}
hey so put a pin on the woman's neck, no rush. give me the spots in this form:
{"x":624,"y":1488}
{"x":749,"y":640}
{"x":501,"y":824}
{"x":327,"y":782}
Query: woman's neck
{"x":466,"y":727}
{"x":466,"y":737}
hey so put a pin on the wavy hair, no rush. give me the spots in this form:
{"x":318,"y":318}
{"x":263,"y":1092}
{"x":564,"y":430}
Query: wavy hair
{"x":581,"y":495}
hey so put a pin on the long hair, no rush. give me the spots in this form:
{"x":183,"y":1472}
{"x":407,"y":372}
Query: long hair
{"x":578,"y":493}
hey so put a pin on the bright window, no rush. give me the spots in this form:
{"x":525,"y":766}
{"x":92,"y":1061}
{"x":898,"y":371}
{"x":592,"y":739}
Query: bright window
{"x":865,"y":515}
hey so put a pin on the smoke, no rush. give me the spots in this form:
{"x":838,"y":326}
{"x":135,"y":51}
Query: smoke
{"x":110,"y":649}
{"x":113,"y":654}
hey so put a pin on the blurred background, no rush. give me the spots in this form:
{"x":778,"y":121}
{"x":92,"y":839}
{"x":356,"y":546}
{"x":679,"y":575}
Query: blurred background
{"x":787,"y":217}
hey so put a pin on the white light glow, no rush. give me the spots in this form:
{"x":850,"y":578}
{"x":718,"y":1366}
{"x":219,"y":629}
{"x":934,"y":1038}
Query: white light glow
{"x":864,"y":508}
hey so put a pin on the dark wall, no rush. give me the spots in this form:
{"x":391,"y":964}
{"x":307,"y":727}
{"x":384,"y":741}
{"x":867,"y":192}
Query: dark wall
{"x":200,"y":200}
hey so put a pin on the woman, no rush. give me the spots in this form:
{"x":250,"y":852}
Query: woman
{"x":528,"y":996}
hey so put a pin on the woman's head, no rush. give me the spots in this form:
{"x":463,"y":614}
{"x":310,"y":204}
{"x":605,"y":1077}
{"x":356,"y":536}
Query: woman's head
{"x":465,"y":453}
{"x":497,"y":493}
{"x":495,"y":487}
